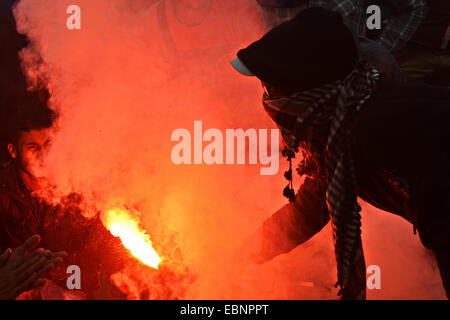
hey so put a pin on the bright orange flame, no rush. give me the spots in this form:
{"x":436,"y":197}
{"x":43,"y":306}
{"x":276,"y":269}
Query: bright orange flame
{"x":121,"y":224}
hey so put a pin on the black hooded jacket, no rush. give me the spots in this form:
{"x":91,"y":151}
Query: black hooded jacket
{"x":400,"y":139}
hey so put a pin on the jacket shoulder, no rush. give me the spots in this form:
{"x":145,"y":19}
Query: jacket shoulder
{"x":6,"y":193}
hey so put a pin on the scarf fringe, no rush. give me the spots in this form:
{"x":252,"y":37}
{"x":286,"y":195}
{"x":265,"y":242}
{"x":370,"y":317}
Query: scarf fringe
{"x":326,"y":114}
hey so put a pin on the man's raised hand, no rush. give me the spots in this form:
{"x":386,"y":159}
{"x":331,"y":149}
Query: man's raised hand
{"x":21,"y":269}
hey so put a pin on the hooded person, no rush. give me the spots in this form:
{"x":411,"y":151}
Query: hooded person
{"x":359,"y":136}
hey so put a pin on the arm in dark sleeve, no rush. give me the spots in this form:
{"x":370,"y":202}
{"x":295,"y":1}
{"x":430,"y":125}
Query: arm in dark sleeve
{"x":292,"y":225}
{"x":88,"y":243}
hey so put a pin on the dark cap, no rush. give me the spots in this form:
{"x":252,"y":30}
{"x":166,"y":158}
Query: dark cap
{"x":310,"y":50}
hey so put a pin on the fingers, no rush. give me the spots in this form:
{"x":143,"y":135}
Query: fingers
{"x":27,"y":260}
{"x":55,"y":261}
{"x":38,"y":283}
{"x":4,"y":257}
{"x":54,"y":255}
{"x":31,"y":267}
{"x":49,"y":265}
{"x":29,"y":284}
{"x":44,"y":265}
{"x":29,"y":244}
{"x":28,"y":265}
{"x":39,"y":261}
{"x":46,"y":269}
{"x":33,"y":271}
{"x":33,"y":261}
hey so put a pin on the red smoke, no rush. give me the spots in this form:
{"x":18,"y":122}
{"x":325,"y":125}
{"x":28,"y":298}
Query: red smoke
{"x":121,"y":88}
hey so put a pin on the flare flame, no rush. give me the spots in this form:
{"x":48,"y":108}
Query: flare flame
{"x":121,"y":224}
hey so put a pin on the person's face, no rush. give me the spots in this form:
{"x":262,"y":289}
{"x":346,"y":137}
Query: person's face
{"x":30,"y":149}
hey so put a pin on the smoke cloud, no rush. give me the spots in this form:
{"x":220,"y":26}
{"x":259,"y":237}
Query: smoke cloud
{"x":138,"y":70}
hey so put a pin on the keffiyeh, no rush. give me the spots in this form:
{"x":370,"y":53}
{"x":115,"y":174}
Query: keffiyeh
{"x":319,"y":120}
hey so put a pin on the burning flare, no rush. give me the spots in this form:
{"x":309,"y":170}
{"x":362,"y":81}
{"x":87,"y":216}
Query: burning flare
{"x":121,"y":224}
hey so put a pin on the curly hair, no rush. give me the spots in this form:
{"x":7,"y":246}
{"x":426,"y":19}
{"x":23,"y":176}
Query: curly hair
{"x":26,"y":112}
{"x":20,"y":109}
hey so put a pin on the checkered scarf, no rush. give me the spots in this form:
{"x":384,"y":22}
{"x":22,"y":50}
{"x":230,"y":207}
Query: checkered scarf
{"x":320,"y":119}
